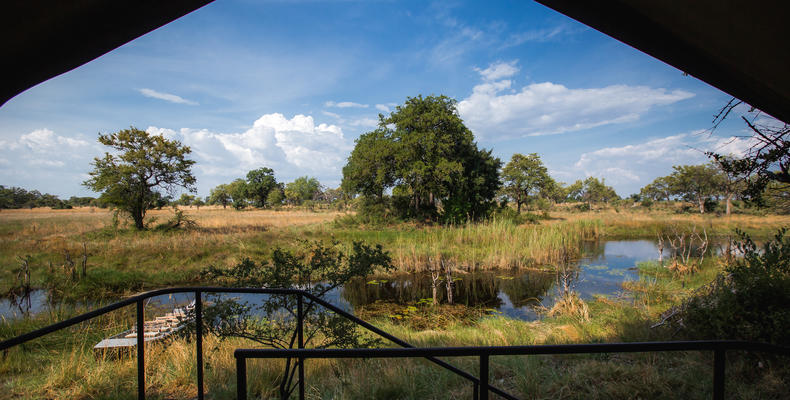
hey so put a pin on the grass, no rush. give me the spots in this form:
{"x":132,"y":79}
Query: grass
{"x":121,"y":261}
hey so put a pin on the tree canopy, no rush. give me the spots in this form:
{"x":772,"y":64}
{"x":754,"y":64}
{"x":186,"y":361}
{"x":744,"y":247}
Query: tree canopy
{"x":428,"y":157}
{"x":525,"y":177}
{"x":130,"y":179}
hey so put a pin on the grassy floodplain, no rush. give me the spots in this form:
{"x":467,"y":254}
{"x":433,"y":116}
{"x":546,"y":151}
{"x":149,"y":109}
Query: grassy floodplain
{"x":122,"y":261}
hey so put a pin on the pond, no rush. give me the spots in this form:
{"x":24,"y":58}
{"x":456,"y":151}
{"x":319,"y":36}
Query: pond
{"x":513,"y":293}
{"x":603,"y":268}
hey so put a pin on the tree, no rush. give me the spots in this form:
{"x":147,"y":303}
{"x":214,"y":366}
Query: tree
{"x":696,"y":183}
{"x":370,"y":167}
{"x":259,"y":183}
{"x":198,"y":202}
{"x":220,"y":195}
{"x":428,"y":157}
{"x":302,"y":189}
{"x":147,"y":163}
{"x":525,"y":177}
{"x":276,"y":196}
{"x":317,"y":269}
{"x":238,"y":193}
{"x":768,"y":158}
{"x":596,"y":191}
{"x":659,"y":189}
{"x":185,"y":199}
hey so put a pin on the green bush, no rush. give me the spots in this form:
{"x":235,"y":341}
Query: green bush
{"x":749,"y":301}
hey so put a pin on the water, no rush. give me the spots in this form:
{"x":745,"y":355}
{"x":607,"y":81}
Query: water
{"x":514,"y":293}
{"x":602,"y":270}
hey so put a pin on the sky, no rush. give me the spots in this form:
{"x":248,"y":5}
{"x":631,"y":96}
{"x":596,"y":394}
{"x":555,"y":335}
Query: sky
{"x":290,"y":85}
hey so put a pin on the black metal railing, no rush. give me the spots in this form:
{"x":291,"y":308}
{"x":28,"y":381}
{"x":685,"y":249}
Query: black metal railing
{"x":139,"y":300}
{"x":718,"y":347}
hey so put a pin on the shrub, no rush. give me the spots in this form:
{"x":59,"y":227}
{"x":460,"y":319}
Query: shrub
{"x":749,"y":300}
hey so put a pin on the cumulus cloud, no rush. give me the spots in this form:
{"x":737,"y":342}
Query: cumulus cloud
{"x":495,"y":110}
{"x":632,"y":166}
{"x":383,"y":108}
{"x":345,"y":104}
{"x":291,"y":147}
{"x":498,"y":70}
{"x":166,"y":97}
{"x":55,"y":163}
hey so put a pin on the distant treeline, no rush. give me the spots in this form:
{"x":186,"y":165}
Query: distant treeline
{"x":15,"y":197}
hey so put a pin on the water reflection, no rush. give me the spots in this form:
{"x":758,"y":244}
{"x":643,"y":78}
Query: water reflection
{"x":514,"y":293}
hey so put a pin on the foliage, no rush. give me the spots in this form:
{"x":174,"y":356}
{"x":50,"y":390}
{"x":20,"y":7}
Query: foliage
{"x":238,"y":193}
{"x":428,"y":157}
{"x":747,"y":302}
{"x":220,"y":195}
{"x":14,"y":197}
{"x":525,"y":177}
{"x":260,"y":182}
{"x":592,"y":190}
{"x":696,"y":183}
{"x":318,"y":270}
{"x":767,"y":161}
{"x":302,"y":189}
{"x":276,"y":196}
{"x":129,"y":180}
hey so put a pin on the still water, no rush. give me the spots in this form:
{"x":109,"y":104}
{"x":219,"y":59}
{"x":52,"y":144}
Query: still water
{"x":514,"y":293}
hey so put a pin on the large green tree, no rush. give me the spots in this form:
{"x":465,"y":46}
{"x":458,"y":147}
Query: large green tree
{"x":259,"y":183}
{"x":428,"y":157}
{"x":696,"y":183}
{"x":142,"y":164}
{"x":302,"y":189}
{"x":525,"y":176}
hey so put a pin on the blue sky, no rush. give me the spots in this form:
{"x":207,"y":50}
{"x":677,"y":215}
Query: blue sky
{"x":290,"y":85}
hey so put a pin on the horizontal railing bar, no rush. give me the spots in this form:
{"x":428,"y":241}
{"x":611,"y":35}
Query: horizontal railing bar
{"x":635,"y":347}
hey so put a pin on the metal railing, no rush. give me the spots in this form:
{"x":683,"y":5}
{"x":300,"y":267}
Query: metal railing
{"x":482,"y":386}
{"x":198,"y":292}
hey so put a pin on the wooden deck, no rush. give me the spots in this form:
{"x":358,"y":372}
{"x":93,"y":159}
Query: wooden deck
{"x":156,"y":329}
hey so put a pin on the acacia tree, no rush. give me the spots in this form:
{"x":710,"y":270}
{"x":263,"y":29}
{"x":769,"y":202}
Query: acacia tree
{"x":596,"y":191}
{"x":143,"y":164}
{"x":696,"y":183}
{"x":525,"y":176}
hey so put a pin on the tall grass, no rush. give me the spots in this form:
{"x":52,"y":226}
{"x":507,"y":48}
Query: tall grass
{"x":492,"y":245}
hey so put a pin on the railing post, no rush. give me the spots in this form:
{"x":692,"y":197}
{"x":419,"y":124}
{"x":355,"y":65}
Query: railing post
{"x":484,"y":377}
{"x":199,"y":341}
{"x":241,"y":378}
{"x":300,"y":342}
{"x":718,"y":373}
{"x":140,"y":350}
{"x":475,"y":391}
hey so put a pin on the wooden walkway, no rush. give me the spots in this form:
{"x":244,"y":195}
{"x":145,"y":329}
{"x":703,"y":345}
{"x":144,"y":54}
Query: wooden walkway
{"x":156,"y":329}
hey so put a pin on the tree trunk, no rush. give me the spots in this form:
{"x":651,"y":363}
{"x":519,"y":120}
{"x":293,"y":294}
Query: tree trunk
{"x":701,"y":202}
{"x":729,"y":203}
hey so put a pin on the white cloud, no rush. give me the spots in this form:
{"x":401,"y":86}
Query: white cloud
{"x":498,"y":70}
{"x":383,"y":108}
{"x":495,"y":110}
{"x":538,"y":35}
{"x":292,"y":147}
{"x":632,"y":166}
{"x":43,"y":140}
{"x":166,"y":97}
{"x":331,"y":114}
{"x":345,"y":104}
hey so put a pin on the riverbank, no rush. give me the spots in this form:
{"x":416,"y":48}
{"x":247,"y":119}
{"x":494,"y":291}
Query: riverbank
{"x":64,"y":365}
{"x":119,"y":261}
